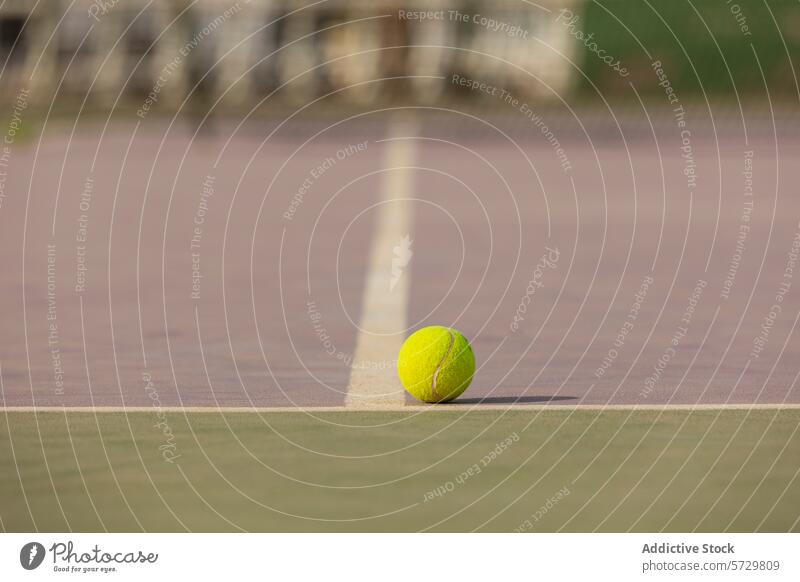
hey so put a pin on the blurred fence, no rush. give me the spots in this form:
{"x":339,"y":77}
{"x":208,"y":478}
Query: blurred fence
{"x":239,"y":51}
{"x":176,"y":53}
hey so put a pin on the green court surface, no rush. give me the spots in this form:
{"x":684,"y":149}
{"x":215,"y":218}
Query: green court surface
{"x":444,"y":470}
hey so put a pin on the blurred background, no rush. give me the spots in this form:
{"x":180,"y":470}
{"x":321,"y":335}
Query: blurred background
{"x":224,"y":55}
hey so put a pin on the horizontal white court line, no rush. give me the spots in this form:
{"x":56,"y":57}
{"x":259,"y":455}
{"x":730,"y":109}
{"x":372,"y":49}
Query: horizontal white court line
{"x":452,"y":407}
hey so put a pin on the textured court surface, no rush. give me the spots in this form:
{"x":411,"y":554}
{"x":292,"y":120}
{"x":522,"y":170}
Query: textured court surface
{"x":218,"y":228}
{"x":653,"y":290}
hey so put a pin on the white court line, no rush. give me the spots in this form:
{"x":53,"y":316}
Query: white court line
{"x":451,"y":407}
{"x":373,"y":381}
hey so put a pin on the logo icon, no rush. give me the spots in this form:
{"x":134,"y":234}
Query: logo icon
{"x":31,"y":555}
{"x":402,"y":256}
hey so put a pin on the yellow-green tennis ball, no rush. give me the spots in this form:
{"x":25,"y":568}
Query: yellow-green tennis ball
{"x":436,"y":364}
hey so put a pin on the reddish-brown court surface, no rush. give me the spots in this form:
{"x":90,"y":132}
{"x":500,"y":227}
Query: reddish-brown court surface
{"x":588,"y":263}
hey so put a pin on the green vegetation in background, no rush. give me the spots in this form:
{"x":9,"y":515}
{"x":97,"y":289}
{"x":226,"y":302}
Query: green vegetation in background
{"x":448,"y":470}
{"x":739,"y":27}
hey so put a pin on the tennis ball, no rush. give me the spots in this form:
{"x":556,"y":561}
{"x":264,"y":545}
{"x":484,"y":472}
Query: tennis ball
{"x":436,"y":364}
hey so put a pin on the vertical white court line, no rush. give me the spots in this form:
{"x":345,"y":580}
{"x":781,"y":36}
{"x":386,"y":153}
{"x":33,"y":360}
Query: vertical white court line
{"x":373,"y":377}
